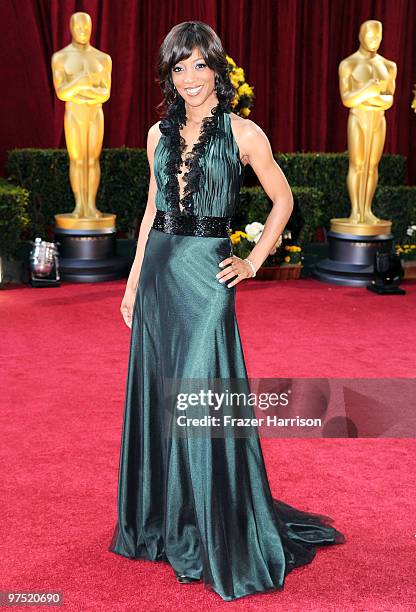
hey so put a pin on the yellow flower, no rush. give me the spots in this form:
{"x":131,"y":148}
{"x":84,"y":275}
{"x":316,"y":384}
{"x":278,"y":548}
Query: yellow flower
{"x":245,"y":89}
{"x":287,"y":259}
{"x":242,"y":234}
{"x":231,"y":61}
{"x":245,"y":111}
{"x":235,"y":239}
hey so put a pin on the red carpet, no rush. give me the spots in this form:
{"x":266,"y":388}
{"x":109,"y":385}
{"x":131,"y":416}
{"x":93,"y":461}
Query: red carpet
{"x":63,"y":367}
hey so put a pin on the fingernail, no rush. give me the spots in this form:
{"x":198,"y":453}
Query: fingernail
{"x":221,"y":280}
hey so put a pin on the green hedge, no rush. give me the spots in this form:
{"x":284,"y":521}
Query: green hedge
{"x":254,"y":205}
{"x":397,"y":204}
{"x":328,"y":173}
{"x":311,"y":212}
{"x":329,"y":170}
{"x":317,"y":180}
{"x":14,"y":217}
{"x":44,"y":172}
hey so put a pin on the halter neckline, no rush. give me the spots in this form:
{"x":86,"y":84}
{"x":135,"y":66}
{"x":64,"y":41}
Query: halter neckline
{"x":210,"y":127}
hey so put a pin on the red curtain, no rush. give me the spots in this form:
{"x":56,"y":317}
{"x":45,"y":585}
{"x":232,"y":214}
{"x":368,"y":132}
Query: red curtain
{"x":289,"y":49}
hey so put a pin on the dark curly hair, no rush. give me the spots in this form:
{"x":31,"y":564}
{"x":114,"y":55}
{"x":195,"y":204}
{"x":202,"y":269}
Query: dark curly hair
{"x":177,"y":46}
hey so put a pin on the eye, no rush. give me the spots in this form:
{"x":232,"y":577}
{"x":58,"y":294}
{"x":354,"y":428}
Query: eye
{"x":178,"y":68}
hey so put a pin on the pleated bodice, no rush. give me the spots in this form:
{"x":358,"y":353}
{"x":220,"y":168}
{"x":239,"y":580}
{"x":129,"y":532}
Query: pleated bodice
{"x":216,"y":171}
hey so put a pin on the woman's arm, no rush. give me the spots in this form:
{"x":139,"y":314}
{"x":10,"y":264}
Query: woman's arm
{"x":256,"y":147}
{"x":150,"y":211}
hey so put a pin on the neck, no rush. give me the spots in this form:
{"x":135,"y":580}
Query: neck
{"x":196,"y":115}
{"x":81,"y":46}
{"x":366,"y":53}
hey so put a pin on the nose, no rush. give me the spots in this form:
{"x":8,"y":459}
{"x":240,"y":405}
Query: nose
{"x":189,"y":77}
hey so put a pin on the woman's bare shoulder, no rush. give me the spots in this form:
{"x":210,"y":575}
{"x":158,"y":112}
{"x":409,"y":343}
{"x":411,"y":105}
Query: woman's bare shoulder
{"x":244,"y":126}
{"x":153,"y":136}
{"x":154,"y":130}
{"x":245,"y":132}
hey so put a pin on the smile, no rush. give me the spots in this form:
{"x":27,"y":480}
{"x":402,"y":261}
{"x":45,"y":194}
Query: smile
{"x":193,"y":91}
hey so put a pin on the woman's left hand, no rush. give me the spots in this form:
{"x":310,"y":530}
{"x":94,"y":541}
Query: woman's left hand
{"x":234,"y":266}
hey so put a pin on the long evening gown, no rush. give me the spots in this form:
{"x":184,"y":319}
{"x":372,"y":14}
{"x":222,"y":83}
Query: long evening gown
{"x":201,"y":503}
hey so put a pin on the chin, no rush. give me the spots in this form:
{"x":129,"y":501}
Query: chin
{"x":198,"y":100}
{"x":195,"y":102}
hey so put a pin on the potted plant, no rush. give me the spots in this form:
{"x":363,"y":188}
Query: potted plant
{"x":407,"y":253}
{"x":284,"y":262}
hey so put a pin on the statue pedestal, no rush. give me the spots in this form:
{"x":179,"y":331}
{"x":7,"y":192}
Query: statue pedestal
{"x":350,"y":259}
{"x":345,"y":226}
{"x":87,"y":249}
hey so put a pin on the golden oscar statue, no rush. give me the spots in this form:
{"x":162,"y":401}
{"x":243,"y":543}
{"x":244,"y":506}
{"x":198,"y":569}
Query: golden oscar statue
{"x":367,"y":84}
{"x":82,"y":79}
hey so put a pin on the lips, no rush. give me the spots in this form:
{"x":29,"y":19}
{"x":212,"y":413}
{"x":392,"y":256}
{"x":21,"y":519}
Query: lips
{"x":193,"y":91}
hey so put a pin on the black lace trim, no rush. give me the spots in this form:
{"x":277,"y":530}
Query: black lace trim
{"x":170,"y":127}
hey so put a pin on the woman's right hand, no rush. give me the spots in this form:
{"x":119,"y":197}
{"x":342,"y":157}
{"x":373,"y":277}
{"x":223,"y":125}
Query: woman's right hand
{"x":127,"y":305}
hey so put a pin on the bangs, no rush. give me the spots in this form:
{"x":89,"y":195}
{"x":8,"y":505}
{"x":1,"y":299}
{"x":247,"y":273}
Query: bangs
{"x":184,"y":45}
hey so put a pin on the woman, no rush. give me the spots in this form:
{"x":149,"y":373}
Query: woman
{"x":200,"y":502}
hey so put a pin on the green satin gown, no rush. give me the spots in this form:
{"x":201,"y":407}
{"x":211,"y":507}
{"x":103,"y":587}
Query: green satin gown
{"x":203,"y":504}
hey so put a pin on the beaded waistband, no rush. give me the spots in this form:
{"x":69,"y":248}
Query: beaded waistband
{"x":191,"y":225}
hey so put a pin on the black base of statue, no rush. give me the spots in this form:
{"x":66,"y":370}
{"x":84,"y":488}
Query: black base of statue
{"x":89,"y":256}
{"x":350,"y":258}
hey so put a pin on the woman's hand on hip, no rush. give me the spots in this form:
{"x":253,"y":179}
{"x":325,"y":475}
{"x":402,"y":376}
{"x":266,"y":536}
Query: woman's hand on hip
{"x":234,"y":267}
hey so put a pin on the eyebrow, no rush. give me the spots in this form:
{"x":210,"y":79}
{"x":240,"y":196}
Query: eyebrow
{"x":196,"y":60}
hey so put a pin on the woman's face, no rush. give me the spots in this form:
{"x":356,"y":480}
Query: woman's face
{"x":193,"y":79}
